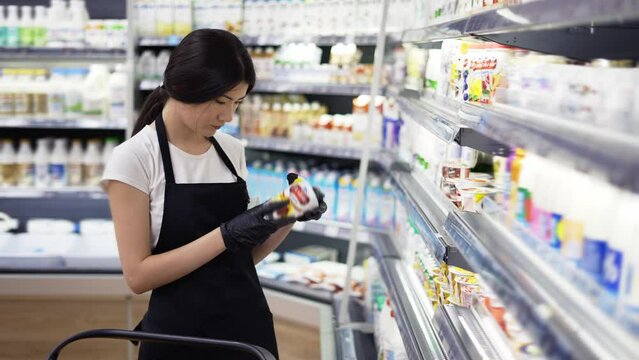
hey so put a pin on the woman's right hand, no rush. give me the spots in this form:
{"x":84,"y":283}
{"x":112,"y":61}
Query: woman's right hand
{"x":254,"y":226}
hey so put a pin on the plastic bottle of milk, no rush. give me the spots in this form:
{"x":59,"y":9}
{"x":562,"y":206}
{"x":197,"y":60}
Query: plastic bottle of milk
{"x":109,"y":145}
{"x":164,"y":16}
{"x":73,"y":97}
{"x":3,"y":27}
{"x":8,"y":168}
{"x":13,"y":26}
{"x":58,"y":166}
{"x":41,"y":162}
{"x":39,"y":26}
{"x":95,"y":91}
{"x":117,"y":93}
{"x":56,"y":93}
{"x":146,"y":65}
{"x":146,"y":17}
{"x":92,"y":164}
{"x":26,"y":26}
{"x":75,"y":163}
{"x":161,"y":63}
{"x":25,"y":165}
{"x":182,"y":17}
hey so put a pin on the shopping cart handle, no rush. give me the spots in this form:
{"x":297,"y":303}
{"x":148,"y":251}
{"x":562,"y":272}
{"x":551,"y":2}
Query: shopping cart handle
{"x":257,"y":351}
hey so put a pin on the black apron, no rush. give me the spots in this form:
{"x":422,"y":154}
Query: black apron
{"x":222,"y":299}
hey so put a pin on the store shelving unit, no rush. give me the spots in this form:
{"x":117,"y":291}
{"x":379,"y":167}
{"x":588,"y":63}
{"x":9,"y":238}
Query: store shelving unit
{"x":66,"y":54}
{"x":549,"y":295}
{"x":337,"y":230}
{"x":311,"y":89}
{"x":67,"y":193}
{"x":535,"y":15}
{"x":324,"y":40}
{"x":428,"y":208}
{"x":40,"y":123}
{"x":298,"y":147}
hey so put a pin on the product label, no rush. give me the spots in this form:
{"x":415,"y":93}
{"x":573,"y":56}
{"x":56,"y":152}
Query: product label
{"x":594,"y":253}
{"x":58,"y":174}
{"x":41,"y":175}
{"x":556,"y":230}
{"x":3,"y":36}
{"x":75,"y":174}
{"x":56,"y":104}
{"x":27,"y":175}
{"x":572,"y":241}
{"x":612,"y":266}
{"x":13,"y":36}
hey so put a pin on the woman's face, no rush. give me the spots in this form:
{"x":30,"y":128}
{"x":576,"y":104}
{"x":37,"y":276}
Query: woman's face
{"x":210,"y":116}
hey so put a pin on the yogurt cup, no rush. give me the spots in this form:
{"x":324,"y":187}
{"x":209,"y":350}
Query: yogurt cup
{"x":472,"y":197}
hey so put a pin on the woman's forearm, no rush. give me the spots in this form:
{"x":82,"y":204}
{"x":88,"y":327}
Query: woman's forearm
{"x":161,"y":269}
{"x":260,"y":252}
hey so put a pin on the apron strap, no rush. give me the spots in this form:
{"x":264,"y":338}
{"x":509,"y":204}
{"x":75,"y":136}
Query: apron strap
{"x":224,"y":158}
{"x":164,"y":150}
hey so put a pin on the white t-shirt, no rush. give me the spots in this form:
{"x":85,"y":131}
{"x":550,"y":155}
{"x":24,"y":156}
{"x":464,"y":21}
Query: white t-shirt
{"x":138,"y":162}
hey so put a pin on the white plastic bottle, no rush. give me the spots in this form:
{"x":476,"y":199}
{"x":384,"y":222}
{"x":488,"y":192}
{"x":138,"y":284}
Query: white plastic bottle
{"x":24,"y":163}
{"x":182,"y":17}
{"x":41,"y":162}
{"x":92,"y":164}
{"x":40,"y":26}
{"x":56,"y":22}
{"x":58,"y":164}
{"x":95,"y":91}
{"x":73,"y":92}
{"x":56,"y":94}
{"x":40,"y":91}
{"x":13,"y":26}
{"x":8,"y":168}
{"x":76,"y":24}
{"x":146,"y":17}
{"x":76,"y":156}
{"x":117,"y":93}
{"x":107,"y":150}
{"x":161,"y":63}
{"x":3,"y":27}
{"x":628,"y":311}
{"x":164,"y":17}
{"x":146,"y":65}
{"x":26,"y":26}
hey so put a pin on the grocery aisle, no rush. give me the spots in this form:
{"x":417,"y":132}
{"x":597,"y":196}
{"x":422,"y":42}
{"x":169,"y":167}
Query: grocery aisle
{"x":497,"y":209}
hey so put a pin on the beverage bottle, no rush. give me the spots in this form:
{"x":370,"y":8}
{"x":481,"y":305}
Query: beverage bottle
{"x":73,"y":99}
{"x":7,"y":164}
{"x":13,"y":26}
{"x":165,"y":20}
{"x":40,"y":88}
{"x":24,"y":163}
{"x":76,"y":24}
{"x":56,"y":94}
{"x":117,"y":93}
{"x":109,"y":146}
{"x":58,"y":164}
{"x":3,"y":27}
{"x":41,"y":162}
{"x":39,"y":26}
{"x":26,"y":26}
{"x":76,"y":156}
{"x":56,"y":20}
{"x":146,"y":65}
{"x":95,"y":91}
{"x":92,"y":164}
{"x":345,"y":197}
{"x":161,"y":62}
{"x":7,"y":94}
{"x":23,"y":98}
{"x":182,"y":17}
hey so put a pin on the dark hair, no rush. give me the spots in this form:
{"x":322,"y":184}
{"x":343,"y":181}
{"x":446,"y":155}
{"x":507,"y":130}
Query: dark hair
{"x":205,"y":65}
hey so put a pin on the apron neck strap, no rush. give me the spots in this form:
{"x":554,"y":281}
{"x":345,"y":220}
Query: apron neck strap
{"x":225,"y":158}
{"x":164,"y":150}
{"x":166,"y":155}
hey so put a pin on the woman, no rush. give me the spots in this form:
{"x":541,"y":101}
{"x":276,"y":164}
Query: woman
{"x":179,"y":183}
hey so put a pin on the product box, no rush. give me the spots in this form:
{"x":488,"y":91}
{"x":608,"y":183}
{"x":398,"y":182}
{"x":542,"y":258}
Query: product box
{"x":310,"y":254}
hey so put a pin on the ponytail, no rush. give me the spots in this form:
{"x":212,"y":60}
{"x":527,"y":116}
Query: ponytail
{"x":151,"y":109}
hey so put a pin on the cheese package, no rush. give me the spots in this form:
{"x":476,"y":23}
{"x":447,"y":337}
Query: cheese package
{"x":302,"y":199}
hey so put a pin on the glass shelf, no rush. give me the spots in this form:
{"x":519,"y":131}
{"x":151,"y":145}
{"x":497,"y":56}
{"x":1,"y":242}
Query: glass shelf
{"x":309,"y":88}
{"x":549,"y":295}
{"x":536,"y":15}
{"x":39,"y":54}
{"x":39,"y":123}
{"x":306,"y":148}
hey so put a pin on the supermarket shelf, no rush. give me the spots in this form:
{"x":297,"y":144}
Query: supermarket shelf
{"x":149,"y":84}
{"x":337,"y":230}
{"x":352,"y":344}
{"x":314,"y":89}
{"x":464,"y":335}
{"x":440,"y":116}
{"x":298,"y":147}
{"x":542,"y":14}
{"x":550,"y":296}
{"x":37,"y":123}
{"x":325,"y":40}
{"x":70,"y":193}
{"x":429,"y":208}
{"x":416,"y":329}
{"x":39,"y":54}
{"x":583,"y":146}
{"x":299,"y":290}
{"x":159,"y":41}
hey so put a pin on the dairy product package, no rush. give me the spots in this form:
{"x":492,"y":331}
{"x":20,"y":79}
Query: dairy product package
{"x":301,"y":198}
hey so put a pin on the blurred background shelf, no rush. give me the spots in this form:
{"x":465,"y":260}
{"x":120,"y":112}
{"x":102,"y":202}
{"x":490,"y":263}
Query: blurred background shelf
{"x":322,"y":40}
{"x":37,"y":123}
{"x":62,"y":54}
{"x":298,"y":147}
{"x":309,"y":88}
{"x":66,"y":193}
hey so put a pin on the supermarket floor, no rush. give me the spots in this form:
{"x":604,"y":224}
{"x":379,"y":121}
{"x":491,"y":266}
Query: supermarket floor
{"x":31,"y":326}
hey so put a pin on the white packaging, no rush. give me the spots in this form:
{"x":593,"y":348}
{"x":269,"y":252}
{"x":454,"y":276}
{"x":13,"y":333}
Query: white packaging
{"x":24,"y":161}
{"x":164,"y":18}
{"x":73,"y":94}
{"x":95,"y":91}
{"x":146,"y":65}
{"x":75,"y":163}
{"x":182,"y":17}
{"x":161,"y":62}
{"x":117,"y":93}
{"x":8,"y":166}
{"x":55,"y":94}
{"x":50,"y":226}
{"x":26,"y":26}
{"x":13,"y":26}
{"x":146,"y":17}
{"x":92,"y":164}
{"x":41,"y":162}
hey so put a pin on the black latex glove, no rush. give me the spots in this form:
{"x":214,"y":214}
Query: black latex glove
{"x":315,"y":214}
{"x":253,"y":227}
